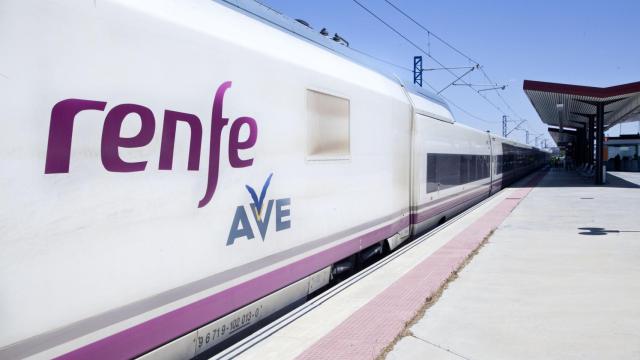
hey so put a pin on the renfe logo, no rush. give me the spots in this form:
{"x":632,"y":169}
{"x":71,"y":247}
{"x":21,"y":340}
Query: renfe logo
{"x":240,"y":226}
{"x":61,"y":131}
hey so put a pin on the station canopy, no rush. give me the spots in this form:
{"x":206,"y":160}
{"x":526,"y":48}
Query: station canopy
{"x":565,"y":107}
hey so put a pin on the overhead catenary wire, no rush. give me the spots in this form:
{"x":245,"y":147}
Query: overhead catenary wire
{"x":428,"y":54}
{"x":468,"y":113}
{"x":449,"y":45}
{"x":381,"y":60}
{"x":461,"y":53}
{"x":463,"y":110}
{"x":442,"y":66}
{"x":419,"y":48}
{"x":513,"y":112}
{"x":430,"y":33}
{"x":460,"y":108}
{"x":449,"y":68}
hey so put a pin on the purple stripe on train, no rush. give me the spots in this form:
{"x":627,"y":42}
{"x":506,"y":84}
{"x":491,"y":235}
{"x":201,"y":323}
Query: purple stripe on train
{"x":438,"y":209}
{"x":150,"y":334}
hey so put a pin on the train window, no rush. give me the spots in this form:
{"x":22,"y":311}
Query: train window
{"x":465,"y":162}
{"x":432,"y":178}
{"x":448,"y":170}
{"x":328,"y":126}
{"x":485,"y":166}
{"x":473,"y":169}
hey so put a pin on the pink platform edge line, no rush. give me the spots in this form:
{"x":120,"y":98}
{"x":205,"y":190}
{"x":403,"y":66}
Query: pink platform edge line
{"x":365,"y":333}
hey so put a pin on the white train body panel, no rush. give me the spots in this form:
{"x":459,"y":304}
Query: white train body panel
{"x":142,"y":227}
{"x":496,"y":153}
{"x":123,"y":251}
{"x":451,"y":142}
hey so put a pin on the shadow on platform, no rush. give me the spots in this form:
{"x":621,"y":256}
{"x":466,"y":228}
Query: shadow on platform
{"x":602,"y":231}
{"x":564,"y":178}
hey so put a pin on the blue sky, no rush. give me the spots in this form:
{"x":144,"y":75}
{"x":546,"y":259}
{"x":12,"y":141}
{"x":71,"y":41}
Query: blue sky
{"x":581,"y":42}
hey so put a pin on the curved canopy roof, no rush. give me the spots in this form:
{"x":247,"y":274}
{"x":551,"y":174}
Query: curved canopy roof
{"x":566,"y":105}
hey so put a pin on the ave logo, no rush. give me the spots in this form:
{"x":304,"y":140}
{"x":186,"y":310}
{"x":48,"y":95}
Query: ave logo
{"x":261,"y":209}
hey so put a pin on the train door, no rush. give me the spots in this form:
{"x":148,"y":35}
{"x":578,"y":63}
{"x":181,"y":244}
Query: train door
{"x":431,"y":137}
{"x":432,"y":133}
{"x":497,"y":162}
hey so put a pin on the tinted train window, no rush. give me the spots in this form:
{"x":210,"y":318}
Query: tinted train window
{"x":448,"y":170}
{"x":432,"y":179}
{"x":513,"y":157}
{"x":465,"y":166}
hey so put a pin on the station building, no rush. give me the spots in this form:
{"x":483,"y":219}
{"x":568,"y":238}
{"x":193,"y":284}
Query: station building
{"x":622,"y":153}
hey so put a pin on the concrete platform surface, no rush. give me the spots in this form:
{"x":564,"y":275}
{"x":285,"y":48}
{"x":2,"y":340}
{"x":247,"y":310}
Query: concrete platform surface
{"x":558,"y":279}
{"x":363,"y":319}
{"x":633,"y":177}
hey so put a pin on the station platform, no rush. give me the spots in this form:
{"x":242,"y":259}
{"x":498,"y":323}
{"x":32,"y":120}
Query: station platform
{"x":549,"y":268}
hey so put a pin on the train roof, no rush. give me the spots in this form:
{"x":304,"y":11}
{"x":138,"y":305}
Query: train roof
{"x":280,"y":21}
{"x":273,"y":18}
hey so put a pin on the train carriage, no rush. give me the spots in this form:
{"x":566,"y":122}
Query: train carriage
{"x":177,"y":172}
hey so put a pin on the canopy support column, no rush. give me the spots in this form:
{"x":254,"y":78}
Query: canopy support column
{"x":588,"y":136}
{"x":590,"y":139}
{"x":599,"y":143}
{"x":599,"y":133}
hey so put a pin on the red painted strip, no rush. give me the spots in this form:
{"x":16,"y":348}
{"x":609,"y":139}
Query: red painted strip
{"x":371,"y":328}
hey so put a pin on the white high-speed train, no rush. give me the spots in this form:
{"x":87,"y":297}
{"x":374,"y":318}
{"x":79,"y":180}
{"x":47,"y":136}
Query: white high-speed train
{"x":175,"y":172}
